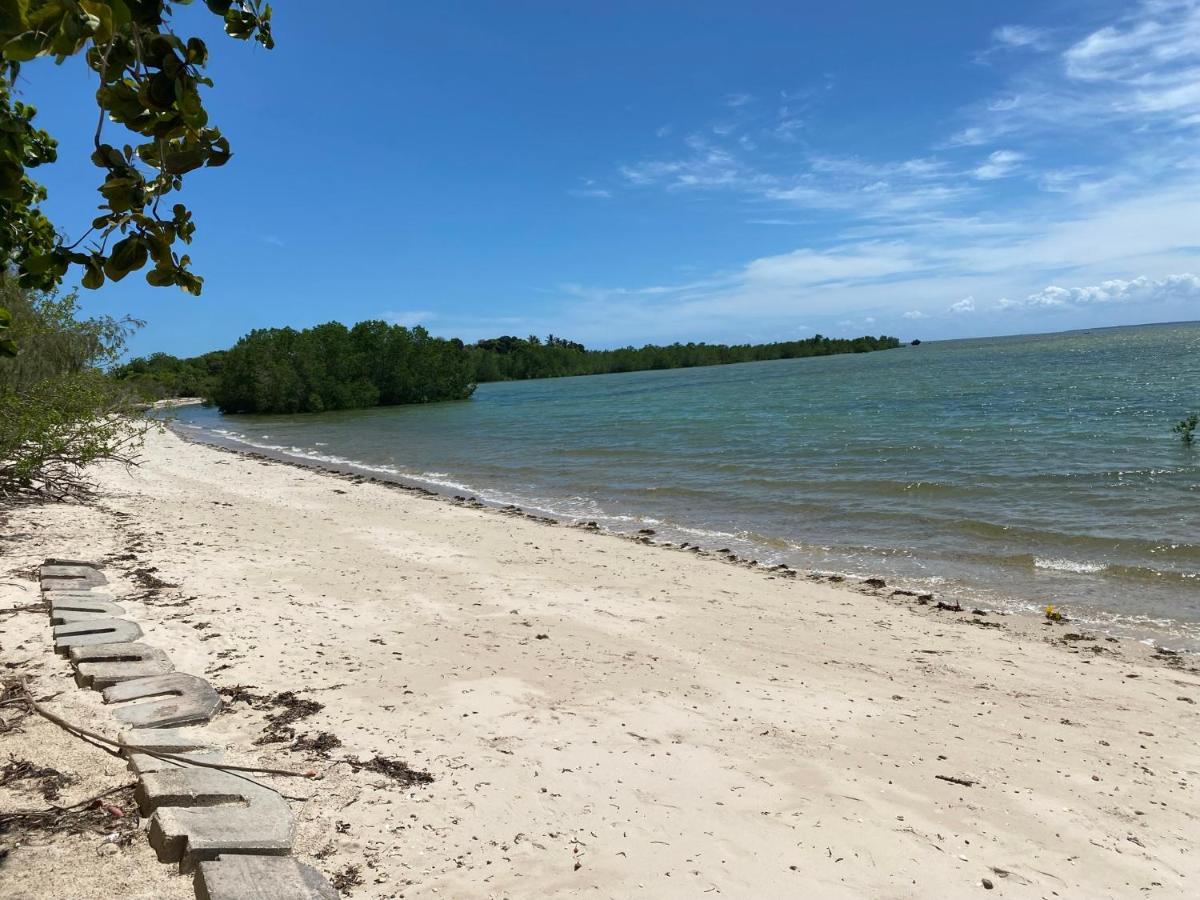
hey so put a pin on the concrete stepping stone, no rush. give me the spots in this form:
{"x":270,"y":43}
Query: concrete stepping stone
{"x":67,"y":577}
{"x":168,"y":740}
{"x":200,"y":814}
{"x":71,"y":602}
{"x":260,"y":878}
{"x":100,"y":666}
{"x":94,"y":631}
{"x":192,"y":699}
{"x":55,"y":561}
{"x":60,"y":615}
{"x":144,"y":763}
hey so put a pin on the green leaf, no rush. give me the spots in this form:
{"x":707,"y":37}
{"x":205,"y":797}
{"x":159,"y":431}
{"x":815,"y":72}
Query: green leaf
{"x":24,"y":47}
{"x":128,"y":255}
{"x":93,"y":276}
{"x":160,"y":277}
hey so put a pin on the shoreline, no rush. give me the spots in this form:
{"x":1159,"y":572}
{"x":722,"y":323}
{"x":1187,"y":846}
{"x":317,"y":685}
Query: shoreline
{"x":604,"y":718}
{"x":1153,"y":636}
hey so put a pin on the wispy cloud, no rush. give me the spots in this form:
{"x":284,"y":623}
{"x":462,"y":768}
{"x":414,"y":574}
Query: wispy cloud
{"x":999,"y":164}
{"x":409,"y":317}
{"x":1021,"y":36}
{"x":1074,"y":187}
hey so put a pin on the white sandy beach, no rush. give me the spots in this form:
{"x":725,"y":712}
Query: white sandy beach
{"x":604,"y":718}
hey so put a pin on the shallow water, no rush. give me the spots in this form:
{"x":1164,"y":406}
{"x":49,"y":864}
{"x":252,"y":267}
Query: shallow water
{"x":1018,"y":471}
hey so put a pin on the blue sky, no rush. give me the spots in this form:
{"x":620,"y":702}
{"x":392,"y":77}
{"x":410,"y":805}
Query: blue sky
{"x":624,"y":172}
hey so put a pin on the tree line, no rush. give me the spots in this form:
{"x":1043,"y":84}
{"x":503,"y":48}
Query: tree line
{"x":283,"y":370}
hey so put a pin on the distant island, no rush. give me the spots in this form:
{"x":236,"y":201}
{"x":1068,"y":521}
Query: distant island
{"x":330,"y":367}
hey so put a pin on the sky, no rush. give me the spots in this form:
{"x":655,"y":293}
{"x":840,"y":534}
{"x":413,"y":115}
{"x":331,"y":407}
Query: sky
{"x":657,"y":170}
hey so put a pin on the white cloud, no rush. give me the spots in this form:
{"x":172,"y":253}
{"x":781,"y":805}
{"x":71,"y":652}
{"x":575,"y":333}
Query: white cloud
{"x":1000,"y":164}
{"x":409,"y":317}
{"x":1014,"y":36}
{"x":914,"y":314}
{"x":965,"y":305}
{"x":1182,"y":288}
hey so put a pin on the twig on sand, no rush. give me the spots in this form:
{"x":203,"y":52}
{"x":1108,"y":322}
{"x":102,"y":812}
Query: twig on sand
{"x":81,"y":732}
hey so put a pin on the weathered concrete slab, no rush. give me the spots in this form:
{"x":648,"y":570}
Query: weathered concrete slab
{"x":144,"y":763}
{"x":69,"y":584}
{"x":191,"y":699}
{"x":168,"y":740}
{"x":60,"y":602}
{"x":101,"y":666}
{"x":61,"y":615}
{"x":260,"y":878}
{"x":56,"y":561}
{"x":200,"y":814}
{"x":53,"y":577}
{"x":94,"y":631}
{"x":83,"y":595}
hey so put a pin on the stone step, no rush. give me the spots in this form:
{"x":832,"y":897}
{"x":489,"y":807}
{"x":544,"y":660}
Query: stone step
{"x":60,"y":577}
{"x":60,"y":616}
{"x":191,"y":699}
{"x":94,"y":631}
{"x":55,"y":561}
{"x":143,"y":763}
{"x":100,"y":666}
{"x":260,"y":878}
{"x":200,"y":814}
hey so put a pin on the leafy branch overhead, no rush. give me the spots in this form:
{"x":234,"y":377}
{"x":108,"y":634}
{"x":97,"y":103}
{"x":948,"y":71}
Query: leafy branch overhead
{"x":149,"y":81}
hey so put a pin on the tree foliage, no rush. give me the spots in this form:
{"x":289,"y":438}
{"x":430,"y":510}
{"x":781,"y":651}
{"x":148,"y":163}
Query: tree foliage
{"x":331,"y":367}
{"x":59,"y":413}
{"x":511,"y":358}
{"x":148,"y":81}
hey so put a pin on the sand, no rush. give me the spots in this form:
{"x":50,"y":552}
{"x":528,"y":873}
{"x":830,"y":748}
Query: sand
{"x":607,"y":718}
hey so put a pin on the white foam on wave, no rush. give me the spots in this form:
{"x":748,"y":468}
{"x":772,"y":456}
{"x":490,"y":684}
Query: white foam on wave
{"x":1068,"y":565}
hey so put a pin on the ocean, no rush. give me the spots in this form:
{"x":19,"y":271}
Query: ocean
{"x":1009,"y":472}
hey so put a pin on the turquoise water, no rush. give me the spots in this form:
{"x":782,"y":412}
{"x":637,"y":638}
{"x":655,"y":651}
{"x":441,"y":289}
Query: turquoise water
{"x":1015,"y":471}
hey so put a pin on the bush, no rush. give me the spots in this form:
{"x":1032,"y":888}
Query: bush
{"x":1186,"y":428}
{"x":59,"y":413}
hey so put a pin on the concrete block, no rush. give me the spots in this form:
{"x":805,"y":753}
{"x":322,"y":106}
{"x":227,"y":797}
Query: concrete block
{"x":168,"y":740}
{"x":101,"y":666}
{"x":96,"y":595}
{"x":190,"y":699}
{"x":56,"y":577}
{"x":60,"y":615}
{"x":55,"y":561}
{"x":143,"y":763}
{"x":200,"y":814}
{"x":62,"y":602}
{"x":94,"y":631}
{"x":260,"y":878}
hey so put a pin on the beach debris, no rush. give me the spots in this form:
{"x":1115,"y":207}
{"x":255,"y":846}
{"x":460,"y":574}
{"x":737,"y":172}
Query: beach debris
{"x":318,"y":745}
{"x":957,"y":607}
{"x":875,"y":583}
{"x":1053,"y":615}
{"x":292,"y":708}
{"x":395,"y":769}
{"x":987,"y":884}
{"x":51,"y":780}
{"x":965,"y":782}
{"x":347,"y":879}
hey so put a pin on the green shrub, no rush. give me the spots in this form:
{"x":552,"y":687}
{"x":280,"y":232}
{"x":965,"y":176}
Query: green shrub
{"x":1186,"y":428}
{"x":59,"y":413}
